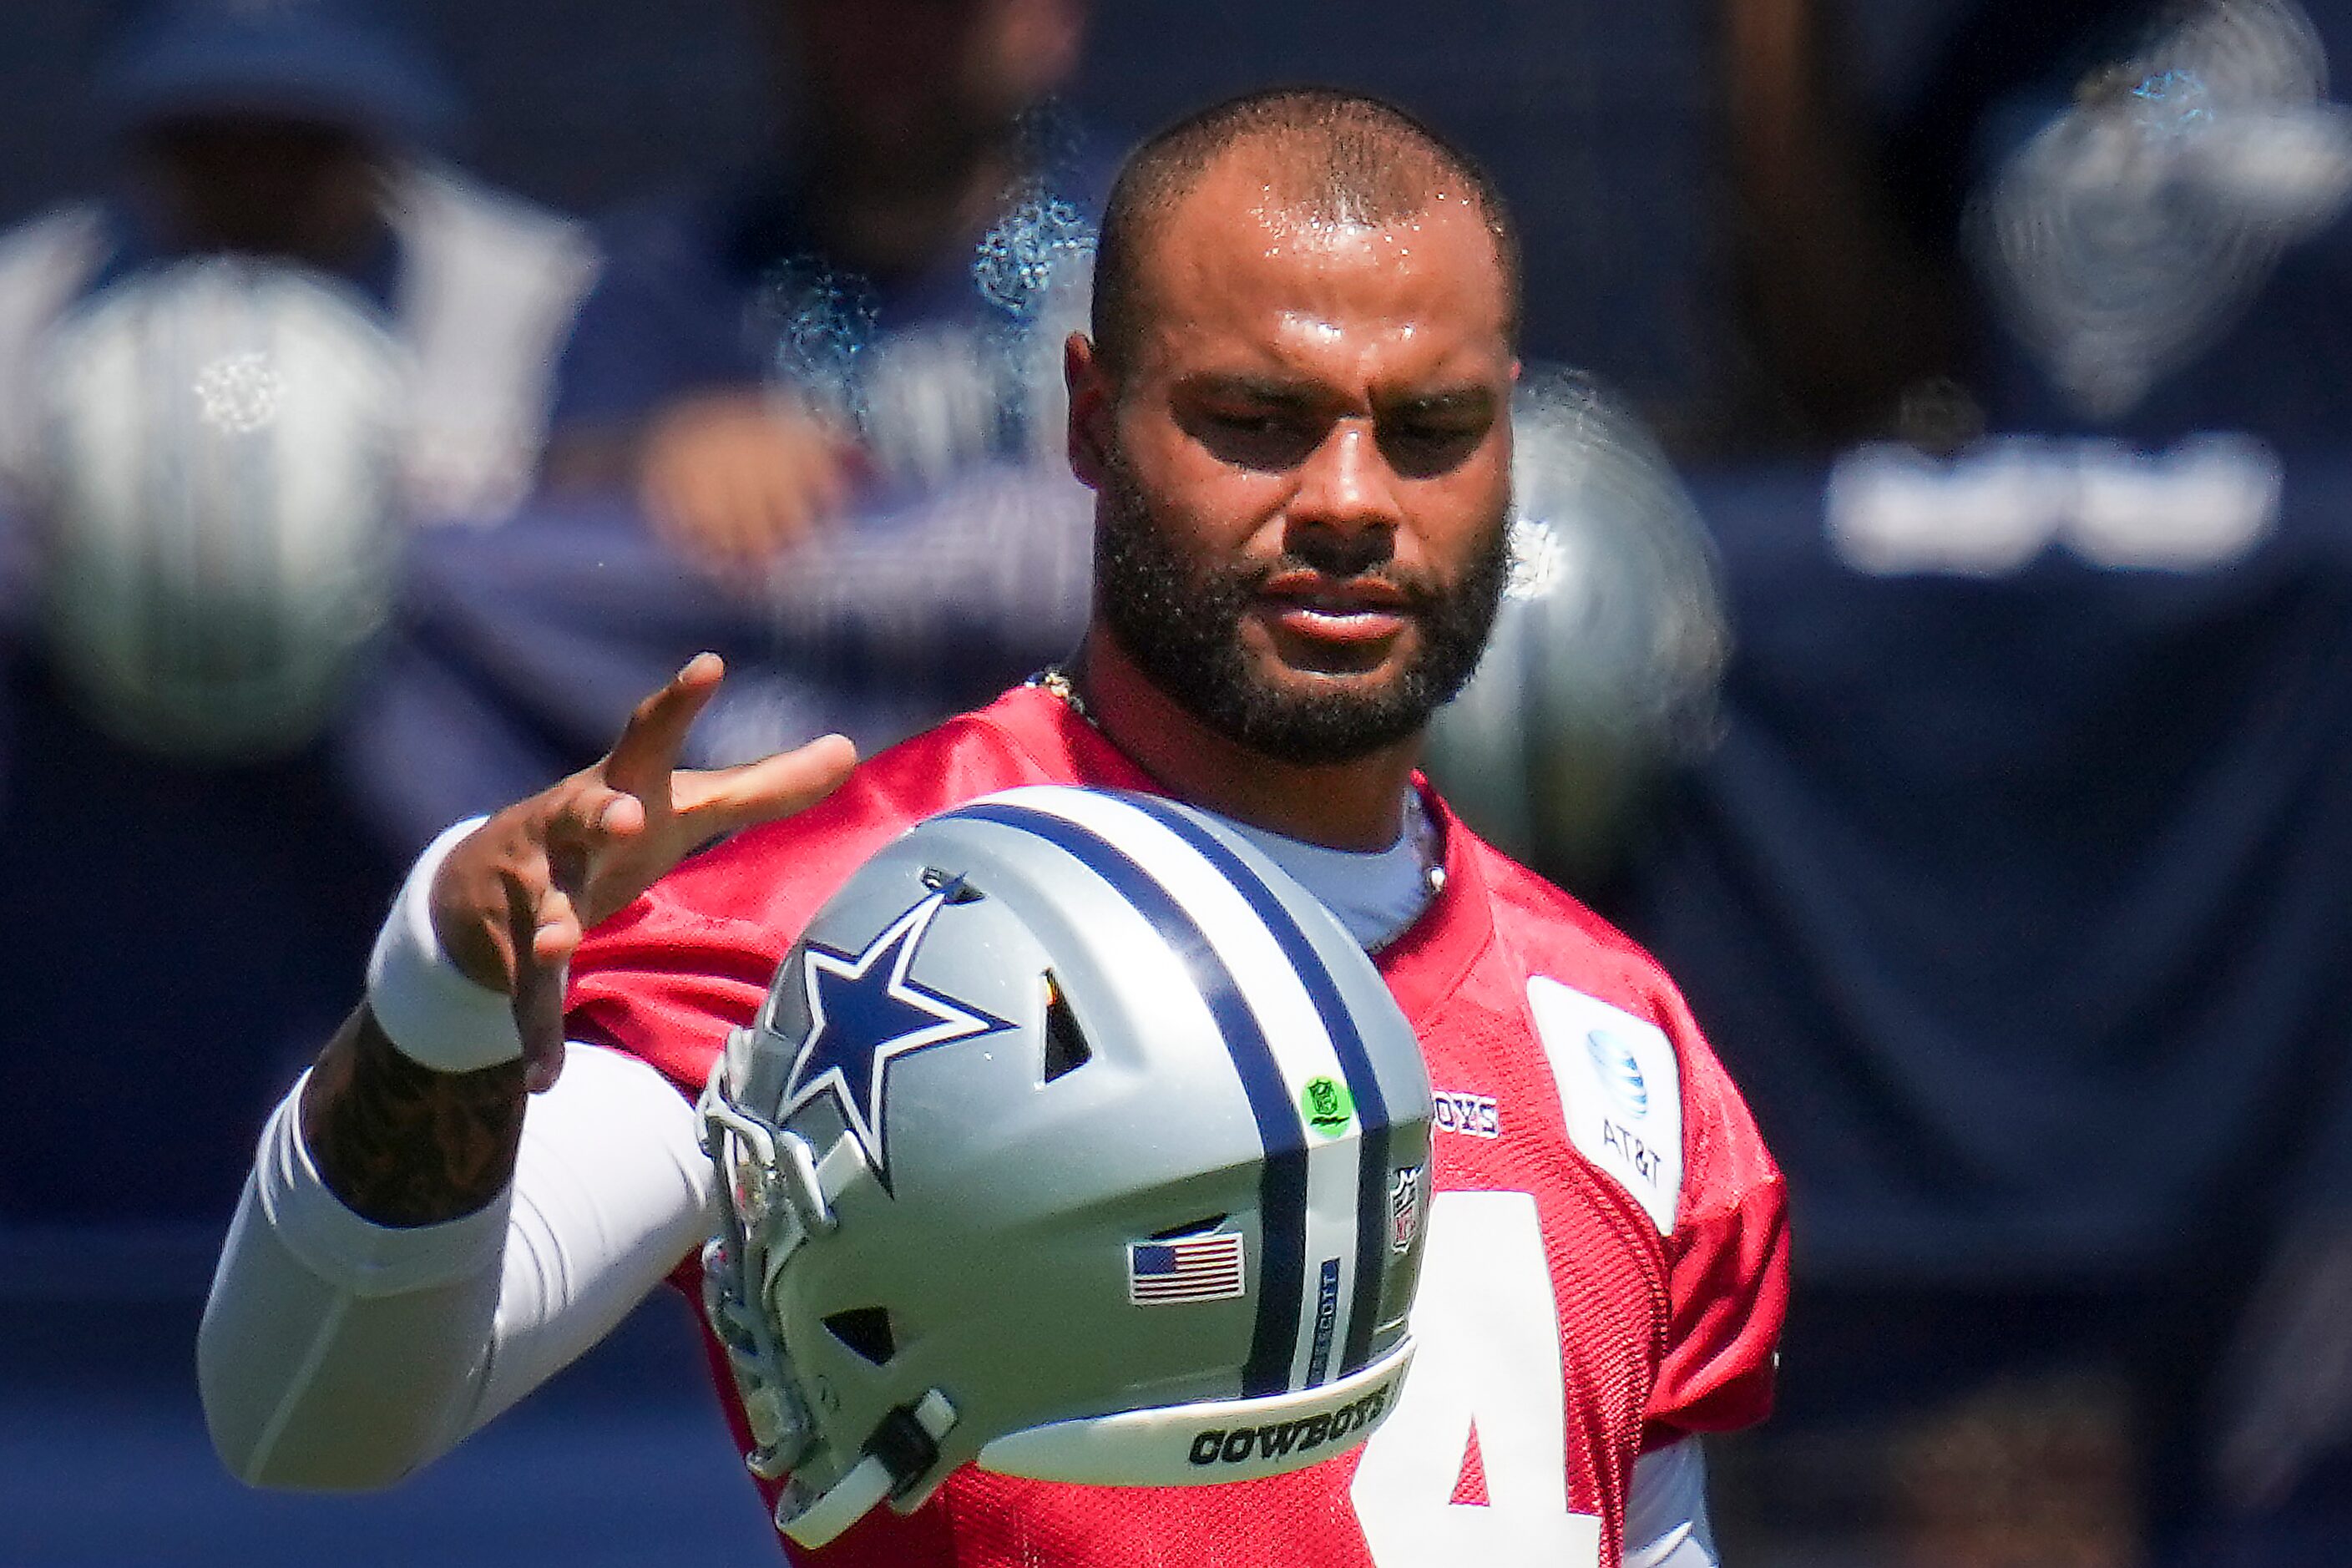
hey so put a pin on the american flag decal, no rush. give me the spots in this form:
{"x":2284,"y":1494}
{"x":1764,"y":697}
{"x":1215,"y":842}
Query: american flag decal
{"x":1192,"y":1269}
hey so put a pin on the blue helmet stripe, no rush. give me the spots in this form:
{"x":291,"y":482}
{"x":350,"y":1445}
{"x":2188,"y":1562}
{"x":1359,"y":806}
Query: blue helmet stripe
{"x":1282,"y":1184}
{"x":1355,"y":1064}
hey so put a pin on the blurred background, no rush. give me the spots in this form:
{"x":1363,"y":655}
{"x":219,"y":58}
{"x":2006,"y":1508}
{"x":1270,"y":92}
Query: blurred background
{"x":1930,"y":631}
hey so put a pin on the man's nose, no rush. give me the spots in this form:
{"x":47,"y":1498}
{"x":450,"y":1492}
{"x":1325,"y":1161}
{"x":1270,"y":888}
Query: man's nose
{"x":1346,"y":487}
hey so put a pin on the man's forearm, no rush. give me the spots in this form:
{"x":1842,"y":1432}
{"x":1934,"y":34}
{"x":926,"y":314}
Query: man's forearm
{"x":338,"y":1353}
{"x":402,"y":1144}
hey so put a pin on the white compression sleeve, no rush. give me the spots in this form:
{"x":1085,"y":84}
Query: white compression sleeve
{"x":1666,"y":1509}
{"x":338,"y":1353}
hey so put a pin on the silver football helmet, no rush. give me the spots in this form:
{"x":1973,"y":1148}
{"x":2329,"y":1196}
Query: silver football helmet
{"x":1605,"y":663}
{"x":1076,"y":1140}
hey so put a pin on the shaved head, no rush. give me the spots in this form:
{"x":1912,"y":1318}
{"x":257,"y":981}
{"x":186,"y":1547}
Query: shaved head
{"x":1324,"y":156}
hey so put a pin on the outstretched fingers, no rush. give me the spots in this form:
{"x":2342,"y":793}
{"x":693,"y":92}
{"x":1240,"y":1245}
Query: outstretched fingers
{"x":727,"y":800}
{"x":571,"y":857}
{"x":641,"y":761}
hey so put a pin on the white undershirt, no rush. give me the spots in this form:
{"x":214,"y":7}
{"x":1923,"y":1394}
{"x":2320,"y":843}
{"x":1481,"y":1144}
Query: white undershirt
{"x":1376,"y":893}
{"x":338,"y":1353}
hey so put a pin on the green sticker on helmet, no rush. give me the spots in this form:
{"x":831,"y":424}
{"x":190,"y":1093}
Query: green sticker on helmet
{"x":1329,"y":1109}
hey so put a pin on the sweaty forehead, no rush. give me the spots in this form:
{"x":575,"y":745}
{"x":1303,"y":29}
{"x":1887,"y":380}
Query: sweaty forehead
{"x":1258,"y":251}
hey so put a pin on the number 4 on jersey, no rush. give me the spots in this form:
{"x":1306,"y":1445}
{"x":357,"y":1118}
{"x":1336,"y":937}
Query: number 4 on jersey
{"x":1488,"y":1365}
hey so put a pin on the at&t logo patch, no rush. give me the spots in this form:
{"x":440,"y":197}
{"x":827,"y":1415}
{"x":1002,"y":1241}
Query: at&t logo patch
{"x":1620,"y":1092}
{"x":1618,"y":1070}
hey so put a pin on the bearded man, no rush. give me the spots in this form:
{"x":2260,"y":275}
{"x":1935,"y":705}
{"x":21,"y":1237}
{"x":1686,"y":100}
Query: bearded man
{"x":1293,"y":413}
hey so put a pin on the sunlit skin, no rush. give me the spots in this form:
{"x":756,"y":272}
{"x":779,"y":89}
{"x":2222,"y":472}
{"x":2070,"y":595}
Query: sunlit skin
{"x":1340,"y":386}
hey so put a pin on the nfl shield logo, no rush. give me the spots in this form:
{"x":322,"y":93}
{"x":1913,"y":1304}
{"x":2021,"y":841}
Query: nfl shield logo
{"x":1404,"y":1208}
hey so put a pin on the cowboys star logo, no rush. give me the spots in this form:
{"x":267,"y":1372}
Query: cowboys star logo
{"x":866,"y":1014}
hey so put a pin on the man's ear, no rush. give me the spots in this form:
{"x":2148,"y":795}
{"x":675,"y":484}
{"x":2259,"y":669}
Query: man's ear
{"x":1093,"y":401}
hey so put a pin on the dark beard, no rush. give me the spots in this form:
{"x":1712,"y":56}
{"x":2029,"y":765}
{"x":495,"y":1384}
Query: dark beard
{"x":1180,"y":621}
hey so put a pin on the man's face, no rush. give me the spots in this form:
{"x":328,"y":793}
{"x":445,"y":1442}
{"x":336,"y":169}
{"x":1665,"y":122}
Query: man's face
{"x":1303,"y":471}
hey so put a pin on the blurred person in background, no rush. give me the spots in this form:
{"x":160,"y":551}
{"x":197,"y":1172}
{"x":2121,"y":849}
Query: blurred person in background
{"x":861,"y":328}
{"x":301,"y":133}
{"x":2120,"y":218}
{"x":227,"y":384}
{"x":2028,"y":804}
{"x":865,"y":318}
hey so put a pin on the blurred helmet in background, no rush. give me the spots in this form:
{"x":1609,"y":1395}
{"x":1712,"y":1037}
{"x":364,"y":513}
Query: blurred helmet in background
{"x":1604,"y":666}
{"x":1075,"y":1140}
{"x":219,"y":484}
{"x":2141,"y":219}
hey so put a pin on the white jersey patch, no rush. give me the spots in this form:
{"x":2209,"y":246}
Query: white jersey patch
{"x":1620,"y":1092}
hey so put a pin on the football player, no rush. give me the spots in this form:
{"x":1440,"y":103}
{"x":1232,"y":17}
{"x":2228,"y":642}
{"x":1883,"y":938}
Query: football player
{"x":1292,"y":410}
{"x":768,"y":356}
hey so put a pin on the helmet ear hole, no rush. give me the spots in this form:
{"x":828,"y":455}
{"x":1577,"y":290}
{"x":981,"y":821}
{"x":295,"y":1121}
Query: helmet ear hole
{"x":1066,"y":1044}
{"x":865,"y":1330}
{"x":1201,"y":1226}
{"x":952,"y":884}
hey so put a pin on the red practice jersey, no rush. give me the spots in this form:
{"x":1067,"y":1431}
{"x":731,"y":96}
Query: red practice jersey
{"x":1607,"y":1257}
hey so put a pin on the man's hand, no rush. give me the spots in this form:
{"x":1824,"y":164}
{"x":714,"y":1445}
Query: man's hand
{"x":730,"y":479}
{"x":402,"y":1144}
{"x":513,"y":899}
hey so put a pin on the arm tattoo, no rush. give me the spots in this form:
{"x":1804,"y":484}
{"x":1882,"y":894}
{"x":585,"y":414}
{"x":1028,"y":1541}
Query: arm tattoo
{"x":401,"y":1145}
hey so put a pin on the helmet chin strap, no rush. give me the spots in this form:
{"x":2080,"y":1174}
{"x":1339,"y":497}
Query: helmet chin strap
{"x":902,"y":1450}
